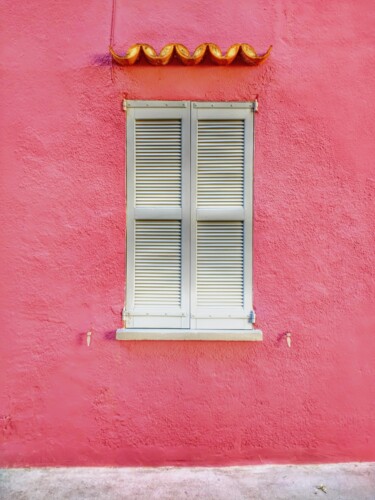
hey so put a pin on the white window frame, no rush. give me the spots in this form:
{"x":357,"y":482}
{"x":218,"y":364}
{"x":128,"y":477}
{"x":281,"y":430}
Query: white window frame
{"x":189,"y":322}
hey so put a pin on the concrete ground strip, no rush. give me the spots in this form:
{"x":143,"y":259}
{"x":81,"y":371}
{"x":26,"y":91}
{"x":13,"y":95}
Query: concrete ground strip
{"x":350,"y":481}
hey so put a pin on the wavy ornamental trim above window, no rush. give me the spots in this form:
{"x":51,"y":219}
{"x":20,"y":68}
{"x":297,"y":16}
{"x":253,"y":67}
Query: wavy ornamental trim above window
{"x":239,"y":52}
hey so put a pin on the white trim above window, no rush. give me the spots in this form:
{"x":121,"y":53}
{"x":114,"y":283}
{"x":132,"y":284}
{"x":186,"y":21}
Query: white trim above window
{"x":189,"y":221}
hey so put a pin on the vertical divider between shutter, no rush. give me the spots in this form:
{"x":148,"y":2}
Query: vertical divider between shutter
{"x":193,"y":215}
{"x":185,"y":202}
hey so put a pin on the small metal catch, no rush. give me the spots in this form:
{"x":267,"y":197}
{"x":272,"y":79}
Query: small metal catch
{"x":88,"y":338}
{"x":252,"y":317}
{"x":288,"y":336}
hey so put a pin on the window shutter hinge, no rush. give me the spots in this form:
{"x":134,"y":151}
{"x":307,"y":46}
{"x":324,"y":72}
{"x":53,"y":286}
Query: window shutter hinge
{"x":124,"y":105}
{"x":124,"y":316}
{"x":252,"y":316}
{"x":255,"y":106}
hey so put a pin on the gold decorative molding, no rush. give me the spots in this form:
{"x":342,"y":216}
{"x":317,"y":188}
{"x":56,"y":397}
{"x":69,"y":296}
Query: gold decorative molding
{"x":239,"y":51}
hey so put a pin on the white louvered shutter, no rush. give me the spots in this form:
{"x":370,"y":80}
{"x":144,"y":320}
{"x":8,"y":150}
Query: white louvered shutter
{"x":158,"y":196}
{"x":221,"y":215}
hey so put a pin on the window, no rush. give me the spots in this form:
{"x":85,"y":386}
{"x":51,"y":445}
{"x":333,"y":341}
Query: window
{"x":189,"y":221}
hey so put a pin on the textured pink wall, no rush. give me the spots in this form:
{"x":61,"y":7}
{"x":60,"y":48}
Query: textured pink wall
{"x":62,"y":225}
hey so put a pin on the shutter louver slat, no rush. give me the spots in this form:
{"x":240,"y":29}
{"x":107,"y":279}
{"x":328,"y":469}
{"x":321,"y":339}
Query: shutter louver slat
{"x":158,"y":263}
{"x":158,"y":172}
{"x":158,"y":162}
{"x":220,"y":264}
{"x":220,"y":183}
{"x":220,"y":163}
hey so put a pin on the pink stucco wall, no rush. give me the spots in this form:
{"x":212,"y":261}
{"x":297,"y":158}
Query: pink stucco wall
{"x":62,"y":225}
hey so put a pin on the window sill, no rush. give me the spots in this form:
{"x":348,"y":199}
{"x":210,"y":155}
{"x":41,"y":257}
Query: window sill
{"x":176,"y":334}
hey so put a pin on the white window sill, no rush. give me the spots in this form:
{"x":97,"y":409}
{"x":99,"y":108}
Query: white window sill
{"x":181,"y":334}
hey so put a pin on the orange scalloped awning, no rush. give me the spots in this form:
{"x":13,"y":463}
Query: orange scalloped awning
{"x":239,"y":51}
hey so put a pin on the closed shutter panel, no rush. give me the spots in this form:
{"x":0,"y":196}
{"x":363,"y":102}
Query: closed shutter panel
{"x":222,"y":144}
{"x":158,"y":178}
{"x":157,"y":263}
{"x":220,"y":264}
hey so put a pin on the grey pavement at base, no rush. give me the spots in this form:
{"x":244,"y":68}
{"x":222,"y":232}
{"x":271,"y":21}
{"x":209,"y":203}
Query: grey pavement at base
{"x":350,"y":481}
